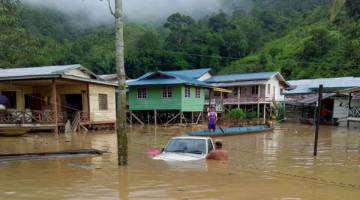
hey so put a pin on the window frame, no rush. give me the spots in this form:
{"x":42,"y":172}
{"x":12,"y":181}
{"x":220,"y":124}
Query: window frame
{"x":198,"y":93}
{"x":103,"y":101}
{"x":187,"y":92}
{"x":142,"y":93}
{"x":255,"y":90}
{"x":167,"y":92}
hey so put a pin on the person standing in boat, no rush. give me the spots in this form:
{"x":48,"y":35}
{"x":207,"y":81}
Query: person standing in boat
{"x":212,"y":116}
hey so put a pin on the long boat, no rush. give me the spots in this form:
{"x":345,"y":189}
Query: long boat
{"x":16,"y":131}
{"x":231,"y":131}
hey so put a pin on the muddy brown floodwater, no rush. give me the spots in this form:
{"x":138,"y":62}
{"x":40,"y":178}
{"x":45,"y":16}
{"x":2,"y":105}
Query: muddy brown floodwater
{"x":274,"y":165}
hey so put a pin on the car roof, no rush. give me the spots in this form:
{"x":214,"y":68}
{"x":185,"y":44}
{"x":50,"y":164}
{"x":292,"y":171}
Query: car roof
{"x":191,"y":137}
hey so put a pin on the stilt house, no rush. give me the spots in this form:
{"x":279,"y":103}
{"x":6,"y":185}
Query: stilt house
{"x":46,"y":97}
{"x":168,"y":96}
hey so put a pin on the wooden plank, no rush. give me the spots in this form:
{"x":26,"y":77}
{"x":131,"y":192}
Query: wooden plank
{"x":47,"y":155}
{"x":137,"y":119}
{"x":172,"y":119}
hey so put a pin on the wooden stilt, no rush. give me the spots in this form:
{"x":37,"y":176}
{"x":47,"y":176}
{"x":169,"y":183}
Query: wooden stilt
{"x":130,"y":118}
{"x":55,"y":107}
{"x":155,"y":118}
{"x":172,"y":119}
{"x":192,"y":117}
{"x":148,"y":118}
{"x":198,"y":118}
{"x":137,"y":119}
{"x":264,"y":115}
{"x":181,"y":117}
{"x":238,"y":97}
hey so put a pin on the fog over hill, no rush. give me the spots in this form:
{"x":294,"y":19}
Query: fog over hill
{"x":97,"y":12}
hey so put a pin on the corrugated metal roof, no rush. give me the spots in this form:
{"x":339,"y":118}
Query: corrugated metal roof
{"x":242,"y":77}
{"x":330,"y":84}
{"x":56,"y":71}
{"x":170,"y":79}
{"x":36,"y":71}
{"x":190,"y":73}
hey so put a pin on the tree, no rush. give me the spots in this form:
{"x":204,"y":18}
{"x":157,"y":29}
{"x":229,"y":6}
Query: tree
{"x":353,"y":8}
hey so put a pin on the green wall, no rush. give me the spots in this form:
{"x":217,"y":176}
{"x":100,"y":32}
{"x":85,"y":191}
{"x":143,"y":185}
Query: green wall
{"x":155,"y":101}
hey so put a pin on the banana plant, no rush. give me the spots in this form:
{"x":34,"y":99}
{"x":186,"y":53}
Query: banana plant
{"x":336,"y":8}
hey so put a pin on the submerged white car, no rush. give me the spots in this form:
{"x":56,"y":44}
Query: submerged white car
{"x":186,"y":148}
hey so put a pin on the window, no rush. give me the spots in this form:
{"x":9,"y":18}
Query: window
{"x":281,"y":91}
{"x":268,"y":88}
{"x":274,"y":91}
{"x":11,"y":96}
{"x":254,"y":89}
{"x":235,"y":91}
{"x":197,"y":93}
{"x":167,"y":92}
{"x":187,"y":92}
{"x":103,"y":102}
{"x":142,"y":93}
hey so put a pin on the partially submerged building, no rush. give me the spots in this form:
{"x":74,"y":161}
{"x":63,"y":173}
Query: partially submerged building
{"x":250,"y":91}
{"x":166,"y":96}
{"x":46,"y":97}
{"x":301,"y":99}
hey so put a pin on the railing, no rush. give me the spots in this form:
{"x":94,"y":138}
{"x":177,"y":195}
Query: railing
{"x":242,"y":100}
{"x":84,"y":117}
{"x":29,"y":117}
{"x":354,"y":112}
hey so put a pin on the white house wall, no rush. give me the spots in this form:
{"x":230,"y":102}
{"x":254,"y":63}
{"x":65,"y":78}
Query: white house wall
{"x":341,"y":107}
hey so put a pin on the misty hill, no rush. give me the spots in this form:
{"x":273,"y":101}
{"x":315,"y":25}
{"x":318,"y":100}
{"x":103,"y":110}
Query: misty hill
{"x":295,"y":37}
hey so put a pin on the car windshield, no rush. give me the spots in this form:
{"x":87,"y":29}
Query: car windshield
{"x":195,"y":146}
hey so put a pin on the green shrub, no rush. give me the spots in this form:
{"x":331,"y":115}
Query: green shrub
{"x":251,"y":115}
{"x":236,"y":114}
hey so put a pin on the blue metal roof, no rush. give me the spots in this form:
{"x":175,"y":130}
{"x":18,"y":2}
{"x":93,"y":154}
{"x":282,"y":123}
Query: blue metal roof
{"x":190,"y":73}
{"x":167,"y":79}
{"x":330,"y":84}
{"x":242,"y":77}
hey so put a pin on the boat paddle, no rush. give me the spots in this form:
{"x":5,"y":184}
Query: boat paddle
{"x":221,"y":129}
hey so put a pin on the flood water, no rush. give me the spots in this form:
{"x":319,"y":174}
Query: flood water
{"x":274,"y":165}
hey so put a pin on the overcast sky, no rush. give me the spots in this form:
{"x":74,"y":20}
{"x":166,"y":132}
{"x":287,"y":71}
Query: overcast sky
{"x":136,"y":10}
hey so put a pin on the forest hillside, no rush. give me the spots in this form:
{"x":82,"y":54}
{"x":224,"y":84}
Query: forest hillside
{"x":300,"y":38}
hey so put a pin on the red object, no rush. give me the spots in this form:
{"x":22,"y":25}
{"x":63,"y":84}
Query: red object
{"x":153,"y":152}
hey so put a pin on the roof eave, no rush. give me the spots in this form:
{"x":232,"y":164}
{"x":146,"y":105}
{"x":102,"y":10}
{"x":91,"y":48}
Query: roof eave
{"x":29,"y":77}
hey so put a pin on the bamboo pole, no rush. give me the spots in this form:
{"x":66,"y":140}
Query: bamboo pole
{"x":122,"y":142}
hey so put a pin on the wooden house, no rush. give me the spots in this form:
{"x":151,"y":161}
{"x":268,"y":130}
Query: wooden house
{"x":168,"y":96}
{"x":46,"y":97}
{"x":302,"y":97}
{"x":250,"y":91}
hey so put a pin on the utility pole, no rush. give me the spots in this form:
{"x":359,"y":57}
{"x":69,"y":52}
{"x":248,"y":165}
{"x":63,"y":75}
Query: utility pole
{"x":122,"y":141}
{"x":318,"y":115}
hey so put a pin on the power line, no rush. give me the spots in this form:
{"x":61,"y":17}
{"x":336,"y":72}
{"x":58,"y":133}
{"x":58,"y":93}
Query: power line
{"x":237,"y":58}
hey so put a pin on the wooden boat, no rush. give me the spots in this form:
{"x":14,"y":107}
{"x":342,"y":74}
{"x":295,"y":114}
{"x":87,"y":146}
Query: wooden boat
{"x":16,"y":131}
{"x":232,"y":131}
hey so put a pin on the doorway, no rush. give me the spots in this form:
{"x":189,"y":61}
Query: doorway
{"x":73,"y":103}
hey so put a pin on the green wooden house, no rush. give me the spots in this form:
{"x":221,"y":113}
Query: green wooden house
{"x":167,"y":95}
